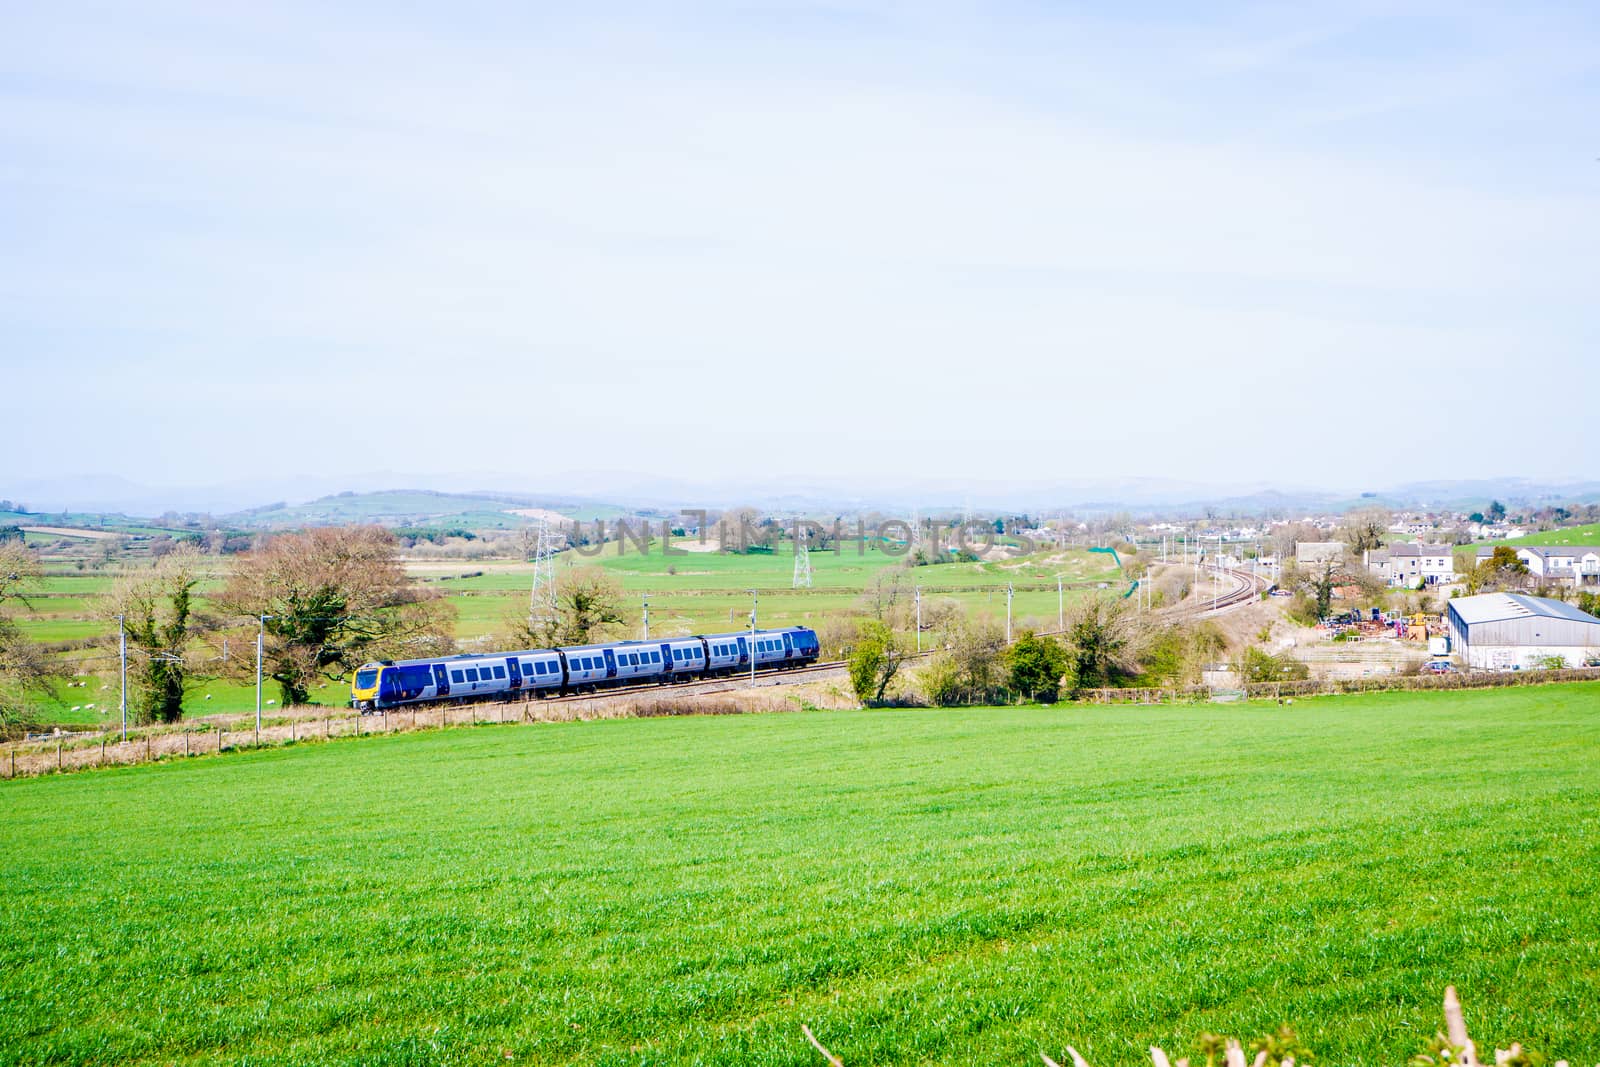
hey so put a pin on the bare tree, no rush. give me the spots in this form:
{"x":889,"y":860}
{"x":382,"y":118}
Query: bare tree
{"x":1366,"y":530}
{"x":25,"y":670}
{"x":335,"y":597}
{"x":588,"y":608}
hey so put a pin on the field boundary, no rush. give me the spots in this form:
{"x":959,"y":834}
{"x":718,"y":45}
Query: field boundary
{"x":69,"y":752}
{"x":1201,"y":694}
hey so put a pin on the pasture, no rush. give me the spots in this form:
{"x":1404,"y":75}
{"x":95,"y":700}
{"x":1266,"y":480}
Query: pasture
{"x":960,"y":887}
{"x":1586,"y":536}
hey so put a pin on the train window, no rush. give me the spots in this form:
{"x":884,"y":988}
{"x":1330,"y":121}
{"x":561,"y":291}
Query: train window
{"x":677,"y":654}
{"x":633,"y":659}
{"x":456,"y":676}
{"x":655,"y":657}
{"x":472,"y":674}
{"x":499,"y":672}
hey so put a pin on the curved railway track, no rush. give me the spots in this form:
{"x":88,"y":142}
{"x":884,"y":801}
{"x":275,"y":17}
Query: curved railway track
{"x":1244,"y":588}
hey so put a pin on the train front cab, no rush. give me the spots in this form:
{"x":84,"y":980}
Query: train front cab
{"x":364,"y":686}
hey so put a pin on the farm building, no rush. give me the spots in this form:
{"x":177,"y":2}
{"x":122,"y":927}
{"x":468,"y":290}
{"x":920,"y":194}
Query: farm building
{"x":1505,"y":631}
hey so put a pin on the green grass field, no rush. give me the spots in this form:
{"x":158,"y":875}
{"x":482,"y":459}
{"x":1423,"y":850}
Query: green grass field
{"x":1571,"y":535}
{"x":919,"y":886}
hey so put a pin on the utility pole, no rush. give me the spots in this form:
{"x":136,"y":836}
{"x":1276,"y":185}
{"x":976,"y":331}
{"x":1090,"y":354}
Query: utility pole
{"x":916,"y":597}
{"x":1061,"y":606}
{"x":261,"y":635}
{"x":647,"y":616}
{"x":122,"y":652}
{"x":1008,"y":612}
{"x":754,"y":601}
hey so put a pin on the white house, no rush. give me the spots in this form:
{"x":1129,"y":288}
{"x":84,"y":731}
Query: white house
{"x":1408,"y":564}
{"x":1572,"y":564}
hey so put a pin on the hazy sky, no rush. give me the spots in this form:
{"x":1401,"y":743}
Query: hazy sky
{"x":841,"y":241}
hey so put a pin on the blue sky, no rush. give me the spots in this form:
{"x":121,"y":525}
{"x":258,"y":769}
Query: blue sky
{"x":853,"y":243}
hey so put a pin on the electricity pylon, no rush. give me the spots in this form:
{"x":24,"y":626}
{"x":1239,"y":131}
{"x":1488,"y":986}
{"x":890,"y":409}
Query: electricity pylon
{"x":802,"y":558}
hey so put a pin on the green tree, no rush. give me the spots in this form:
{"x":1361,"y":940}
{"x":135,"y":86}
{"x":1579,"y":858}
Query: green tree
{"x":1258,"y":665}
{"x":1500,"y":571}
{"x":970,"y":669}
{"x":1101,"y":644}
{"x":1035,"y":666}
{"x":874,"y":661}
{"x":1497,"y":511}
{"x":156,"y":606}
{"x":1318,"y":582}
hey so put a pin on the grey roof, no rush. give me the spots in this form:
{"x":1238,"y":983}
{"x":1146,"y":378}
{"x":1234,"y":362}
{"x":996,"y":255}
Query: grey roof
{"x":1542,"y":551}
{"x":1408,"y":548}
{"x":1498,"y":607}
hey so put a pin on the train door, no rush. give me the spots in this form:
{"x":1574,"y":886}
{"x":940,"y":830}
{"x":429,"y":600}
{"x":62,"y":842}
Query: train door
{"x":788,"y":646}
{"x":514,"y":672}
{"x":611,"y":664}
{"x":666,"y":659}
{"x":744,"y":652}
{"x":441,"y":680}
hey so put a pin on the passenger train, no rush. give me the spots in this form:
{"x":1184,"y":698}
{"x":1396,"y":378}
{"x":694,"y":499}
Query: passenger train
{"x":578,"y":668}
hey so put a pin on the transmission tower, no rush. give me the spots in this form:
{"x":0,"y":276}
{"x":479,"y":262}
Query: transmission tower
{"x":916,"y":529}
{"x":802,"y":559}
{"x":542,"y":600}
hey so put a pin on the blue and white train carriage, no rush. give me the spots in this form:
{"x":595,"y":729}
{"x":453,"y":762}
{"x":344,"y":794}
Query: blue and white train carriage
{"x":578,"y":668}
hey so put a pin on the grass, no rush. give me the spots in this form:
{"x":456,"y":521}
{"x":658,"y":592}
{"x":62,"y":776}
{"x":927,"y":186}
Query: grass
{"x":1570,"y":535}
{"x":919,"y":886}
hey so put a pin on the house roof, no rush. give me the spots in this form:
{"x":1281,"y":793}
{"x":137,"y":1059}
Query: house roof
{"x":1499,"y":607}
{"x":1407,"y":548}
{"x":1542,"y":551}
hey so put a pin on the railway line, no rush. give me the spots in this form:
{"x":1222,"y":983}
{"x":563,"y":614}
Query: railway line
{"x":1244,"y":588}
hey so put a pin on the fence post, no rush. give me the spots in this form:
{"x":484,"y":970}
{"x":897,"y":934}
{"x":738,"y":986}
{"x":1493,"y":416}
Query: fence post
{"x":147,"y":754}
{"x":186,"y":742}
{"x":58,"y":755}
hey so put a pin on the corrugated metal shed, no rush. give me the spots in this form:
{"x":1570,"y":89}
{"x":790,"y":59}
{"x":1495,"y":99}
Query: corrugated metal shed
{"x":1511,"y":621}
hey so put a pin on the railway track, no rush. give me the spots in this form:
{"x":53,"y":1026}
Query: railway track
{"x":1244,"y":588}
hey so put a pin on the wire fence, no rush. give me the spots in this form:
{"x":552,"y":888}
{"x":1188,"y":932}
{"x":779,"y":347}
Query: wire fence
{"x":1201,"y":694}
{"x":67,"y":752}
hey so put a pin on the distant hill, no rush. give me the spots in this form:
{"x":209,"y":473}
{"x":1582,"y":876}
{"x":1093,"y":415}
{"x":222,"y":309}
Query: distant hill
{"x":419,"y":507}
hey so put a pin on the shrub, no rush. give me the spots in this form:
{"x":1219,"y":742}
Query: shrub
{"x":1035,"y":666}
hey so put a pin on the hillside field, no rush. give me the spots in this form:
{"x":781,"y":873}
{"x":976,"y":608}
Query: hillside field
{"x":1569,"y":535}
{"x":959,"y":887}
